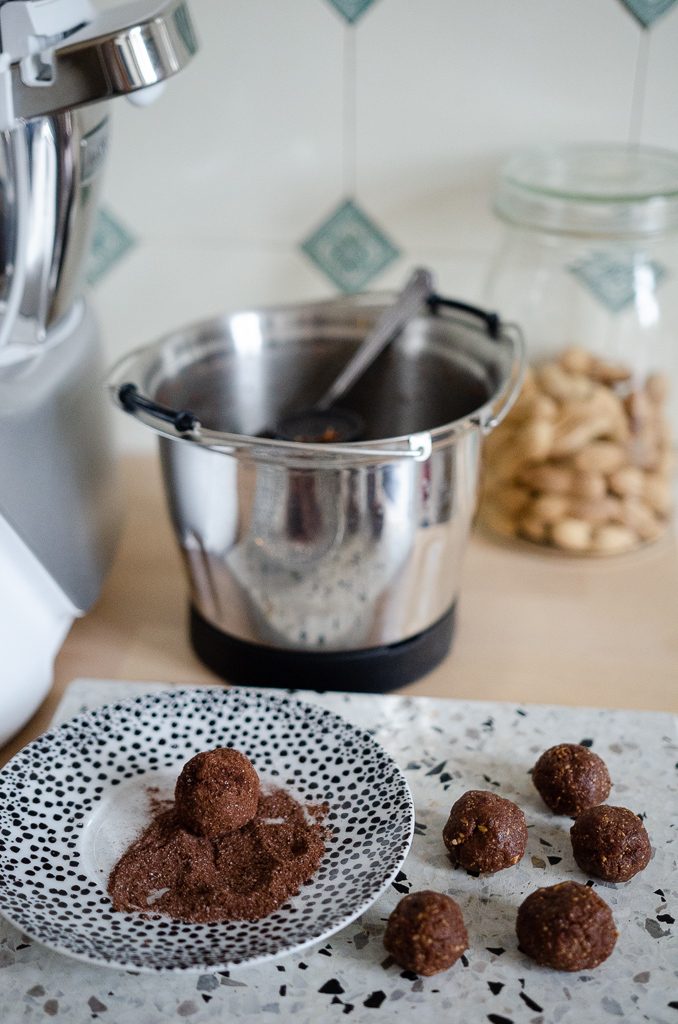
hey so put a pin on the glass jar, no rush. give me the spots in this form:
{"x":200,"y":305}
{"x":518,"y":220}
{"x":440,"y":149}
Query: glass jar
{"x":589,"y":269}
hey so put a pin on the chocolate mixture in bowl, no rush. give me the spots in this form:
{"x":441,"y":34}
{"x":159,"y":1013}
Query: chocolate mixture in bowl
{"x":237,"y":873}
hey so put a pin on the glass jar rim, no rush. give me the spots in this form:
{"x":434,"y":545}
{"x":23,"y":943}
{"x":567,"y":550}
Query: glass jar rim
{"x":597,"y":189}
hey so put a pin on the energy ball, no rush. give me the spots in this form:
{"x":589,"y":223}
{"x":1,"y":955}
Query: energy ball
{"x":567,"y":927}
{"x":426,"y":932}
{"x":610,"y":843}
{"x":485,"y":832}
{"x":216,"y":792}
{"x":570,"y":778}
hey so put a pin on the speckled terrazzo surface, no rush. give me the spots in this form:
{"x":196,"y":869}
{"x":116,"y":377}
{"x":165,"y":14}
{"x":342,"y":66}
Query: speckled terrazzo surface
{"x":445,"y":747}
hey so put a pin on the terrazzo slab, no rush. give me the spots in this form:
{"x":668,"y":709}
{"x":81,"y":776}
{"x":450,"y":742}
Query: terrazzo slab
{"x":444,"y":747}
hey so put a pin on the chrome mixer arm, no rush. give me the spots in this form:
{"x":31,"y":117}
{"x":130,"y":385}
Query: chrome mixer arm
{"x":57,"y":56}
{"x":116,"y":52}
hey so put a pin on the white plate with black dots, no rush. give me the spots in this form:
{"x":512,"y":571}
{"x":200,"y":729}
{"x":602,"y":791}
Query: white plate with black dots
{"x":73,"y":799}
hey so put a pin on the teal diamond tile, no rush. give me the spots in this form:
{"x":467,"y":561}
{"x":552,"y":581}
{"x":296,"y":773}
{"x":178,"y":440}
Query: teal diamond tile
{"x":349,"y":248}
{"x":184,"y":25}
{"x":617,"y":282}
{"x":110,"y":243}
{"x":647,"y":11}
{"x":351,"y":9}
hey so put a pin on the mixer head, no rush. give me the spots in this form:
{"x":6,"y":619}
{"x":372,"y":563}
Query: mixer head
{"x":61,"y":54}
{"x":56,"y":57}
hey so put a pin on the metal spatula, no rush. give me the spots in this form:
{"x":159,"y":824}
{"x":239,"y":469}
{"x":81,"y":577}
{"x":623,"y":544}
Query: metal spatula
{"x":324,"y":421}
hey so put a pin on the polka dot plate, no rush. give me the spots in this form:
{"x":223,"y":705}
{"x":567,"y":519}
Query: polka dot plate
{"x":73,"y":800}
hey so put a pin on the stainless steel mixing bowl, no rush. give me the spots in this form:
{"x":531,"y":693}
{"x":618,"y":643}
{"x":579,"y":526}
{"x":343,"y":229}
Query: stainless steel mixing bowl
{"x":318,"y":561}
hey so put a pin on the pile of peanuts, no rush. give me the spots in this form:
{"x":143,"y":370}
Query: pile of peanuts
{"x":583,"y":462}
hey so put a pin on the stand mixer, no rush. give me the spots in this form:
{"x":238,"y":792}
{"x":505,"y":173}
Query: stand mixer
{"x":59,"y":59}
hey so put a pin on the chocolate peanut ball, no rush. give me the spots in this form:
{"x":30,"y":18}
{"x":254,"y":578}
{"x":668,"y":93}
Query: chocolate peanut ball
{"x":216,"y":792}
{"x":485,"y":832}
{"x":570,"y":778}
{"x":567,"y":927}
{"x":426,"y":932}
{"x":610,"y":843}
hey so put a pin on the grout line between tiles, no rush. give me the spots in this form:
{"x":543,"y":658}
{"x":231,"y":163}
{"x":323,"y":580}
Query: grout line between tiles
{"x":639,"y":88}
{"x":349,"y":111}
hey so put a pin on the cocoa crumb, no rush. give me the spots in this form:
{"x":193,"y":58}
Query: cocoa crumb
{"x":242,"y":875}
{"x":156,"y":802}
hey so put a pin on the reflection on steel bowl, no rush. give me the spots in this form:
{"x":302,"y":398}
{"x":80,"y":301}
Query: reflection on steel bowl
{"x":308,"y":562}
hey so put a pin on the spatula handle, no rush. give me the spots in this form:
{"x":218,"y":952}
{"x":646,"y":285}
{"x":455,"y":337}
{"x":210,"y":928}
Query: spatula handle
{"x":392,"y":320}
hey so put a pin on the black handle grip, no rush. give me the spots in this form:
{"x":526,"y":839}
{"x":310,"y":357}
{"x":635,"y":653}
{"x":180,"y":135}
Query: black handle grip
{"x":183,"y":421}
{"x":491,"y":320}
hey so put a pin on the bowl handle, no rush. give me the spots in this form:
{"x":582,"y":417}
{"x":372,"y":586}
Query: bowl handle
{"x":183,"y":424}
{"x":511,"y":389}
{"x":498,"y":330}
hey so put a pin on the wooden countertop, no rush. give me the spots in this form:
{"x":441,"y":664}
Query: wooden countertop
{"x":532,"y":627}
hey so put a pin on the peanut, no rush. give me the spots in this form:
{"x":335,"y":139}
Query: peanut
{"x":544,"y":407}
{"x":646,"y":446}
{"x":604,"y":510}
{"x":639,"y":407}
{"x":529,"y":382}
{"x":521,"y":410}
{"x":629,"y":481}
{"x":497,"y":440}
{"x":584,"y":461}
{"x":498,"y":521}
{"x":588,"y":485}
{"x":511,"y":500}
{"x":535,"y":439}
{"x":507,"y":460}
{"x":664,"y":432}
{"x":638,"y":515}
{"x":523,"y":405}
{"x":613,"y":540}
{"x":657,"y":492}
{"x":561,"y":385}
{"x":600,"y":457}
{"x":666,"y":463}
{"x":552,"y":479}
{"x":574,"y":431}
{"x":572,"y":534}
{"x":550,"y":508}
{"x":605,"y":402}
{"x":657,"y":387}
{"x":576,"y":359}
{"x":609,"y":373}
{"x":533,"y":528}
{"x":535,"y":405}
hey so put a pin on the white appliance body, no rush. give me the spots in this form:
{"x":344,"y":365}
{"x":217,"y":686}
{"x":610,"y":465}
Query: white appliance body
{"x":59,"y":59}
{"x":58,"y":507}
{"x":36,"y":616}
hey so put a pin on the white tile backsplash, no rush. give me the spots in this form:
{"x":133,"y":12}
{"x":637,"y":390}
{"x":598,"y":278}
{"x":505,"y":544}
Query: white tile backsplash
{"x":245,"y":154}
{"x":660,"y":110}
{"x":245,"y":144}
{"x":160,"y":287}
{"x":447,"y":89}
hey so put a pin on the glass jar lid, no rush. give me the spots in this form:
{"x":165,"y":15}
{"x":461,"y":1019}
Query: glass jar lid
{"x":600,"y":190}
